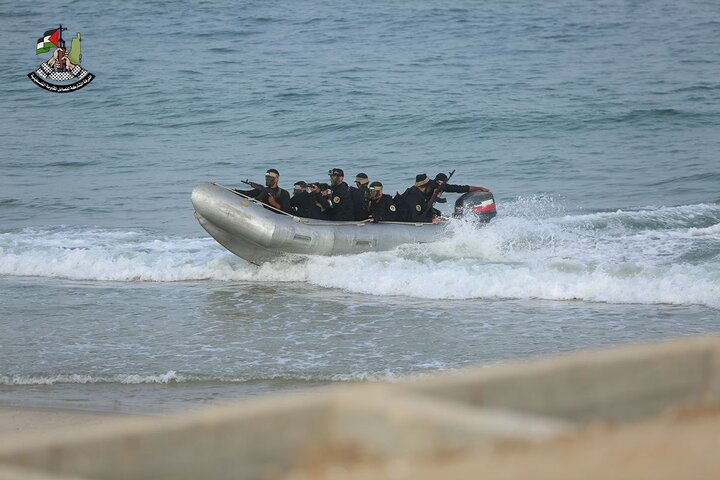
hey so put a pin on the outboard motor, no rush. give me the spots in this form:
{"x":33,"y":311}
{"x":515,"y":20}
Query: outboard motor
{"x":480,"y":205}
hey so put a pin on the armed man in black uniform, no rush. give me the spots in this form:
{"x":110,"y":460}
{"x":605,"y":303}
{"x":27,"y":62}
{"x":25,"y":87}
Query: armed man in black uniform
{"x":270,"y":194}
{"x":318,"y":204}
{"x":416,"y":201}
{"x":342,"y":205}
{"x":441,"y":179}
{"x":381,"y":206}
{"x":301,"y":203}
{"x":360,"y":197}
{"x":439,"y":185}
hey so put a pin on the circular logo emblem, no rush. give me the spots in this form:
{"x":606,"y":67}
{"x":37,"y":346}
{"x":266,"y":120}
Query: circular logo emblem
{"x":392,"y":208}
{"x":418,"y":207}
{"x":336,"y":199}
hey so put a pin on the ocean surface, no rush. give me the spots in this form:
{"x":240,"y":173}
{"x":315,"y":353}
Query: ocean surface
{"x":596,"y":125}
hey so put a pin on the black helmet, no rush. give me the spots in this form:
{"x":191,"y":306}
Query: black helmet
{"x":300,"y":187}
{"x":375,"y":190}
{"x":361,"y":178}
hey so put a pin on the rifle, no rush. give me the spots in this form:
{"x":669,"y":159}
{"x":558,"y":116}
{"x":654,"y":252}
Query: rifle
{"x":437,"y":193}
{"x":254,"y":185}
{"x":265,"y":196}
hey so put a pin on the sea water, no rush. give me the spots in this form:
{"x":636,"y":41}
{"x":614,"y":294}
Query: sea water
{"x":596,"y":124}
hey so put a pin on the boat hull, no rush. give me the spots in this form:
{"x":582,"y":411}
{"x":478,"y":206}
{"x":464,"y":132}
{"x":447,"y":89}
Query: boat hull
{"x":257,"y":234}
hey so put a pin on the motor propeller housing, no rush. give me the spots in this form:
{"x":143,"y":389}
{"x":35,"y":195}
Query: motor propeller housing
{"x":480,"y":205}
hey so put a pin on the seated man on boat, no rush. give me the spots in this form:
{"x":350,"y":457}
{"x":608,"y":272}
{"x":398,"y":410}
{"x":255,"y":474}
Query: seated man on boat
{"x":271,"y":194}
{"x":414,"y":203}
{"x":381,"y":206}
{"x":359,"y":195}
{"x":342,"y":204}
{"x":319,"y":204}
{"x":301,"y":202}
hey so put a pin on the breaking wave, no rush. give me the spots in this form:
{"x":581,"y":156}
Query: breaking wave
{"x":173,"y":377}
{"x":656,"y":255}
{"x":74,"y":378}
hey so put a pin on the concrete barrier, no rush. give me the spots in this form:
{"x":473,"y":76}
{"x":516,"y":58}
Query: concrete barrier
{"x":364,"y":431}
{"x":620,"y":384}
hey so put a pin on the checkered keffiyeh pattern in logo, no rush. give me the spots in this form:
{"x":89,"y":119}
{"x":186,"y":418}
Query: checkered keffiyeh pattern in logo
{"x":46,"y":71}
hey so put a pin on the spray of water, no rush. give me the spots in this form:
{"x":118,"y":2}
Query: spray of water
{"x":533,"y":249}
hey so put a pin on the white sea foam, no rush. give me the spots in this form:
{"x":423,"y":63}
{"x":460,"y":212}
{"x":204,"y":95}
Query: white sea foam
{"x":111,"y":255}
{"x":165,"y":378}
{"x":713,"y":230}
{"x":649,"y":256}
{"x":172,"y":377}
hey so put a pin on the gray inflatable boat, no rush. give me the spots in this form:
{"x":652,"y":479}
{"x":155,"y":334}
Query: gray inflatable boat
{"x":257,"y":233}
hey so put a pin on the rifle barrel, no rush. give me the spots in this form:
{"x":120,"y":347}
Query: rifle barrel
{"x":436,"y":195}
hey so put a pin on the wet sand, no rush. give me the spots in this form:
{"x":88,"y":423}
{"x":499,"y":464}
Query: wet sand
{"x":14,"y":420}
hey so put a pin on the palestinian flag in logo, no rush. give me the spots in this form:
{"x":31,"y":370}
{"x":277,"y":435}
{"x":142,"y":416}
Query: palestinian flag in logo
{"x":48,"y":41}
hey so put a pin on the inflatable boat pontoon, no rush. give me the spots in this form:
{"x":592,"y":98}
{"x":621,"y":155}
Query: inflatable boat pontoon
{"x":258,"y":233}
